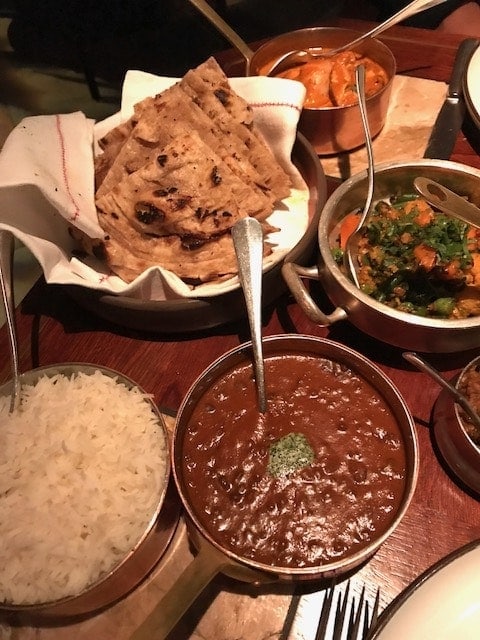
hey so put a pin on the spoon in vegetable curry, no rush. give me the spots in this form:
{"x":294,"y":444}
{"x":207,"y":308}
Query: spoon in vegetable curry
{"x":350,"y":254}
{"x":448,"y":201}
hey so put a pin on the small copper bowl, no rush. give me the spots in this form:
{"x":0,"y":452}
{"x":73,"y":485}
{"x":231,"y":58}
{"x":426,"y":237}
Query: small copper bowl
{"x":331,"y":130}
{"x":452,"y":432}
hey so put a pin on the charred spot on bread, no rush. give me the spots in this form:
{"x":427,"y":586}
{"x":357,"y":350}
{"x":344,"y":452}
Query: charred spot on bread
{"x":216,"y":177}
{"x":163,"y":193}
{"x":147,"y":213}
{"x":192,"y":242}
{"x":222,"y":95}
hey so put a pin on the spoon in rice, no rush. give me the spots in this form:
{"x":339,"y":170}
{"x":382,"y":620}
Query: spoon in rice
{"x":350,"y":254}
{"x":6,"y":285}
{"x":247,"y":237}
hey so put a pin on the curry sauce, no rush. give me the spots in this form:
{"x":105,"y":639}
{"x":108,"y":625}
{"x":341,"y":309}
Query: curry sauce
{"x":341,"y":491}
{"x":330,"y":82}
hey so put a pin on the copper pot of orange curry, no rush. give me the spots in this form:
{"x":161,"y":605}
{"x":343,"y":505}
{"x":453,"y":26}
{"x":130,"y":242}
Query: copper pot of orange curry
{"x":306,"y":491}
{"x":330,"y":118}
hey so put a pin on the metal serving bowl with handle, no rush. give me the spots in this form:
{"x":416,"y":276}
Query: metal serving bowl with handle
{"x":397,"y":328}
{"x":214,"y":557}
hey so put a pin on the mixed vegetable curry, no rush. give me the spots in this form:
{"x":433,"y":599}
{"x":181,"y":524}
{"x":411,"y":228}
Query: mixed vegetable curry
{"x":417,"y":260}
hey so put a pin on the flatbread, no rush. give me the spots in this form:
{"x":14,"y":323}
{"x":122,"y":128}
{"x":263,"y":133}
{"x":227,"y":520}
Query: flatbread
{"x":173,"y":180}
{"x":208,"y":87}
{"x":172,"y":114}
{"x":129,"y":253}
{"x":187,"y":190}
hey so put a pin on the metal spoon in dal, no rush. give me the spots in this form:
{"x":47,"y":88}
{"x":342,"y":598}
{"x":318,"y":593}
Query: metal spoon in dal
{"x":422,"y":365}
{"x":300,"y":56}
{"x":448,"y":201}
{"x":350,"y":254}
{"x":6,"y":284}
{"x":247,"y":237}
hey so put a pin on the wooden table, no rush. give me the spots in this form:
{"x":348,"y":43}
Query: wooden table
{"x":443,"y":515}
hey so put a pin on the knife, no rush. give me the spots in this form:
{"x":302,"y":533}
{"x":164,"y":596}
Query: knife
{"x":450,"y":117}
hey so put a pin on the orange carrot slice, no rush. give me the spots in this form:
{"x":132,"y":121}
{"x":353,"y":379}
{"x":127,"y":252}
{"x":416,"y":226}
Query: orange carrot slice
{"x":347,"y":227}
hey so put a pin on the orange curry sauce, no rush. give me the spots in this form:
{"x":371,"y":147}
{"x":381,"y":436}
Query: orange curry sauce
{"x":348,"y":494}
{"x":330,"y":82}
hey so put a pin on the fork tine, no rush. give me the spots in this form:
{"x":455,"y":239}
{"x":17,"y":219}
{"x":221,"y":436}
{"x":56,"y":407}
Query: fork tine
{"x":325,"y":613}
{"x":356,"y":615}
{"x":370,"y":626}
{"x":340,"y":613}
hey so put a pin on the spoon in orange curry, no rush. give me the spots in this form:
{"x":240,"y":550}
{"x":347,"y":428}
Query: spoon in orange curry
{"x":247,"y":237}
{"x":300,"y":56}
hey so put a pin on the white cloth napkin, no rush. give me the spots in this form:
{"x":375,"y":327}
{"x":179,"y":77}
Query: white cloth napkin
{"x":47,"y":185}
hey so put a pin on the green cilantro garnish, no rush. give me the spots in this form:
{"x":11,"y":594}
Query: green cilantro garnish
{"x":290,"y":453}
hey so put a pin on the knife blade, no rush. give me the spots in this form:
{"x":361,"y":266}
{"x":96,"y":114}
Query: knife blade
{"x":450,"y":118}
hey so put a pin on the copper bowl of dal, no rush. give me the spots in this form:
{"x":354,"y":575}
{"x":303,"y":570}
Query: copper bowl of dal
{"x":45,"y":530}
{"x":332,"y":130}
{"x":207,"y":395}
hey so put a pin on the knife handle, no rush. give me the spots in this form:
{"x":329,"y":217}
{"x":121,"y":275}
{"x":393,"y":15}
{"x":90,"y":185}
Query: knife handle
{"x":464,"y":53}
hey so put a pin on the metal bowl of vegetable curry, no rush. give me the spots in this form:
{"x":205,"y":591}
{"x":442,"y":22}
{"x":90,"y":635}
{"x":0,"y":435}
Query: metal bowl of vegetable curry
{"x":439,"y":314}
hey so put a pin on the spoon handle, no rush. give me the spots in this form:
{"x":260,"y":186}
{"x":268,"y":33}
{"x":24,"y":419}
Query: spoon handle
{"x":421,"y":364}
{"x":448,"y":201}
{"x":360,"y":82}
{"x":223,"y":28}
{"x":248,"y":240}
{"x":410,"y":10}
{"x":6,"y":285}
{"x":350,"y":256}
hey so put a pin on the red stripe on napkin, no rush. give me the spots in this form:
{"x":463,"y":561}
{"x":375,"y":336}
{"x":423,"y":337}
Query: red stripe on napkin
{"x":76,"y":209}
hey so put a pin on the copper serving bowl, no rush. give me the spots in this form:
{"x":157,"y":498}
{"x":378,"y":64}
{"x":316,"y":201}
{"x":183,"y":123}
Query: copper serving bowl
{"x":144,"y":554}
{"x":332,"y":130}
{"x":459,"y":450}
{"x":213,"y":556}
{"x":405,"y":330}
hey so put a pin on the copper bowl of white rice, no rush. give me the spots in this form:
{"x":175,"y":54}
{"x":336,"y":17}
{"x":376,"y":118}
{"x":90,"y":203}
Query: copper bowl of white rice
{"x":85,"y":505}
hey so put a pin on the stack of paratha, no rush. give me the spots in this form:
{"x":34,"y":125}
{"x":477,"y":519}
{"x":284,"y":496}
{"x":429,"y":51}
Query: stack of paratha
{"x":174,"y":179}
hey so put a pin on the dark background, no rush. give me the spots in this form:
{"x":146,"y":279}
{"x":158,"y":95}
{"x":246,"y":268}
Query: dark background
{"x":107,"y":37}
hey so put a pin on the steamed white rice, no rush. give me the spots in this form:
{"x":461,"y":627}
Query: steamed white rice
{"x":82,"y":468}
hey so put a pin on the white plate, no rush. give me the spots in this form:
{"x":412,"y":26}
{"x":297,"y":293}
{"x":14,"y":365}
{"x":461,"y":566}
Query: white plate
{"x":443,"y":604}
{"x":472,"y":86}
